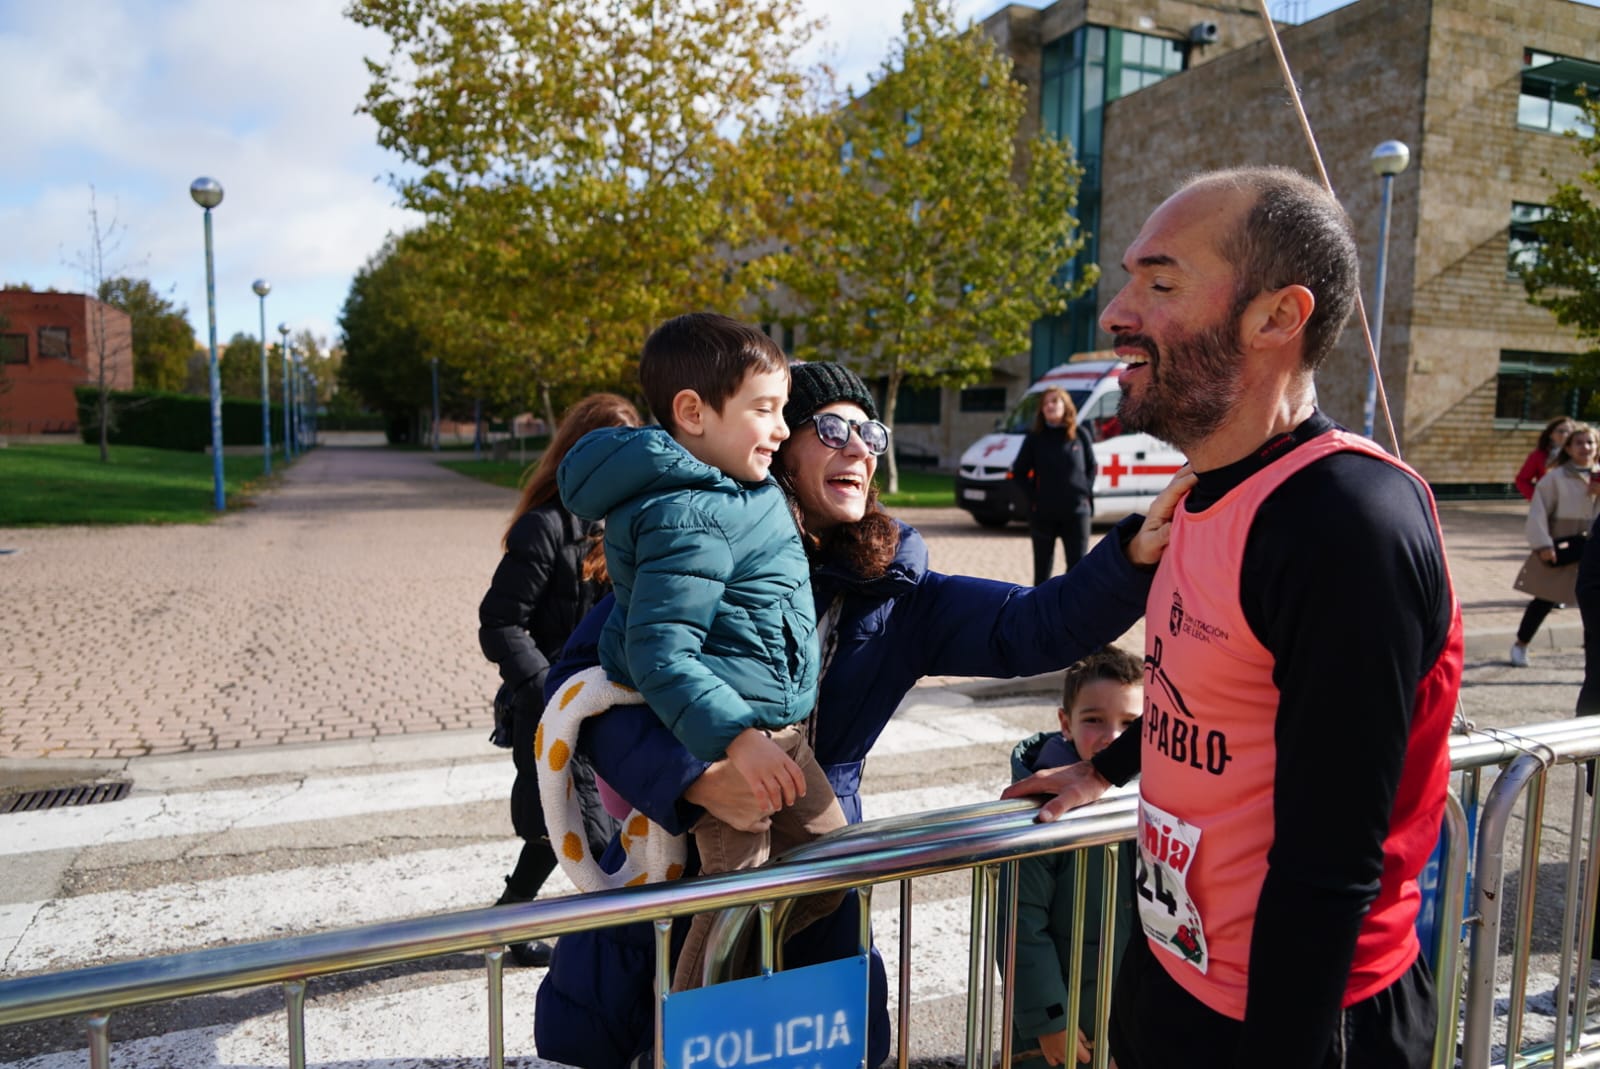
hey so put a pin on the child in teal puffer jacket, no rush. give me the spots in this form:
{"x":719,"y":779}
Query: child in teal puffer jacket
{"x":714,"y":623}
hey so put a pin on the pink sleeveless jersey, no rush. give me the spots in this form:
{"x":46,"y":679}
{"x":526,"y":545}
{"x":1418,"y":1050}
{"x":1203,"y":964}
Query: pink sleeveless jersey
{"x":1209,"y":754}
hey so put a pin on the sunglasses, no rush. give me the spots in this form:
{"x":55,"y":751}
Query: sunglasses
{"x":834,"y":432}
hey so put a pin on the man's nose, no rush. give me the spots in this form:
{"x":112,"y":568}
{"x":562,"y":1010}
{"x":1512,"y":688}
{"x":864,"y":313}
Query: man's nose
{"x":1118,"y":318}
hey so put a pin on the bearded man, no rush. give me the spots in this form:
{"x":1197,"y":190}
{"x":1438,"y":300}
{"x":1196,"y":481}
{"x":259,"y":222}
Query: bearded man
{"x":1303,"y":653}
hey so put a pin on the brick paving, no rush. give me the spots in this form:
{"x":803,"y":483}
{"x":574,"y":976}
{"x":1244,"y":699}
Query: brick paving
{"x":343,"y":605}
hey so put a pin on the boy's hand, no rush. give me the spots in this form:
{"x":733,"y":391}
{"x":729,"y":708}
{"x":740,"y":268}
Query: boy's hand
{"x":773,"y":776}
{"x":1145,"y":548}
{"x":1053,"y":1045}
{"x":1073,"y":785}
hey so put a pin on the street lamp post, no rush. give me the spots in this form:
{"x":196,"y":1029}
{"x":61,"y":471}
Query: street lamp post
{"x":207,"y":192}
{"x":288,"y":437}
{"x":436,"y":404}
{"x":1388,"y":160}
{"x":262,"y":287}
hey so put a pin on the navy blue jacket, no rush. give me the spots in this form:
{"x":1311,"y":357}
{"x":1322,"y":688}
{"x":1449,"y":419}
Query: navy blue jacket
{"x":594,"y":1008}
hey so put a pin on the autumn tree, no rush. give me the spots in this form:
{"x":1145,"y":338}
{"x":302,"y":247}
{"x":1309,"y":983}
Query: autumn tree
{"x":586,"y":169}
{"x":924,"y":235}
{"x":1564,"y":276}
{"x":162,"y":337}
{"x":103,"y":239}
{"x":387,"y":362}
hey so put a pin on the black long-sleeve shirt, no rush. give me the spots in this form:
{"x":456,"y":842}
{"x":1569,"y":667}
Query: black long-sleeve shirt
{"x":1343,"y":580}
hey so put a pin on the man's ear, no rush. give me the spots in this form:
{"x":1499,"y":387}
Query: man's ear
{"x":689,"y":413}
{"x":1278,"y":317}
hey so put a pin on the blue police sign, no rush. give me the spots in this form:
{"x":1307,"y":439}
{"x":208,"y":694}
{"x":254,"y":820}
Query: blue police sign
{"x":810,"y":1018}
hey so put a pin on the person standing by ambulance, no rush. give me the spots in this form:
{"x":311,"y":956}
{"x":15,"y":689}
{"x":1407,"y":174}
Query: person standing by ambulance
{"x":1055,"y":468}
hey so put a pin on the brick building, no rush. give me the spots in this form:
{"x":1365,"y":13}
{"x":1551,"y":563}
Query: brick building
{"x":51,"y":343}
{"x":1480,"y":90}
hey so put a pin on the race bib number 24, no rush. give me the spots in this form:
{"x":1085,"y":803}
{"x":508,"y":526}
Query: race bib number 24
{"x":1167,"y":846}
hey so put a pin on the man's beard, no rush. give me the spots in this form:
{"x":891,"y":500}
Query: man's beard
{"x":1192,"y":386}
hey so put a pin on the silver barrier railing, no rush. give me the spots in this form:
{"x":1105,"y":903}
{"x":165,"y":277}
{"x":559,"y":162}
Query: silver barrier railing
{"x":981,"y":838}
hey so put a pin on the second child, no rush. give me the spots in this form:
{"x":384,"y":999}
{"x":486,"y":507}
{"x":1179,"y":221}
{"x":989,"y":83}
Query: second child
{"x":1101,"y":697}
{"x":714,"y":623}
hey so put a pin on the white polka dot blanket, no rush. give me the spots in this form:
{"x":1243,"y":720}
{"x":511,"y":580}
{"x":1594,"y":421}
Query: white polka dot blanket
{"x":653,"y":855}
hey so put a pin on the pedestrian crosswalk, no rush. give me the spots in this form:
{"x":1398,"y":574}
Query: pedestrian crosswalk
{"x":205,"y":865}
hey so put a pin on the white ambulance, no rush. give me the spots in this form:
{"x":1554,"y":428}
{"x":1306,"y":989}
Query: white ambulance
{"x":1133,"y":467}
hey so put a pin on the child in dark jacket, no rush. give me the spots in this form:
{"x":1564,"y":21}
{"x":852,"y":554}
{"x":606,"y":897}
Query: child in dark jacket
{"x":1102,"y":696}
{"x":714,"y":623}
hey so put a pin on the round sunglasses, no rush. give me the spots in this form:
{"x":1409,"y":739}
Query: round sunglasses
{"x":834,"y":431}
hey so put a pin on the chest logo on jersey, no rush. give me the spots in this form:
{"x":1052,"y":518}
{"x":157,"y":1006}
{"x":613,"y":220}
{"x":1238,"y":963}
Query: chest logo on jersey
{"x":1182,"y":623}
{"x":1171,"y":728}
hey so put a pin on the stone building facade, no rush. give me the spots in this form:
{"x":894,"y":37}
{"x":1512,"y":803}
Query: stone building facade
{"x":1446,"y":77}
{"x":1468,"y":366}
{"x":51,"y":343}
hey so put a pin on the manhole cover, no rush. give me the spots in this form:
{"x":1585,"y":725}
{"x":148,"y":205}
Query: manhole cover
{"x":61,"y":797}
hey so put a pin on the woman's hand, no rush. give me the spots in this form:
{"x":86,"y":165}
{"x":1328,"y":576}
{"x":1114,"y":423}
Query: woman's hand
{"x":1548,"y":555}
{"x":722,"y":791}
{"x":1072,"y":785}
{"x":773,"y":776}
{"x":1145,"y":548}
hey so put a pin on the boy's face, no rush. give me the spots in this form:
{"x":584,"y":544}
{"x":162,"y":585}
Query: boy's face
{"x":1101,"y":711}
{"x":742,"y":438}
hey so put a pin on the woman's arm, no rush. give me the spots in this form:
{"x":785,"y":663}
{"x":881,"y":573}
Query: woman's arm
{"x":1540,"y":510}
{"x":1528,"y":475}
{"x":518,"y":584}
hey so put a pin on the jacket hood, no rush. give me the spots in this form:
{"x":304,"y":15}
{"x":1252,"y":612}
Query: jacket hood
{"x":901,"y":577}
{"x":616,"y":464}
{"x":1026,"y":754}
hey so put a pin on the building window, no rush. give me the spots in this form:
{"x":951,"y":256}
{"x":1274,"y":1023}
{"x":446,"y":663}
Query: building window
{"x":1523,"y":243}
{"x":1550,"y":86}
{"x":54,"y":343}
{"x":916,"y":405}
{"x":1531,"y":389}
{"x":983,"y":399}
{"x":13,"y":348}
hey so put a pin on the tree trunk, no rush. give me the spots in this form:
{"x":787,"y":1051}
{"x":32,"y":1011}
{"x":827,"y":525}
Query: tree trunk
{"x":549,"y":410}
{"x":891,"y":393}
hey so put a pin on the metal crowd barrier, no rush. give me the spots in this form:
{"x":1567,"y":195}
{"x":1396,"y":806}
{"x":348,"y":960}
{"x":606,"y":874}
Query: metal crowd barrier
{"x":983,"y":839}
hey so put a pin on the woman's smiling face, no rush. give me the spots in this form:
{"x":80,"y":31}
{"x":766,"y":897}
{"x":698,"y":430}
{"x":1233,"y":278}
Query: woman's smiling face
{"x":830,"y":485}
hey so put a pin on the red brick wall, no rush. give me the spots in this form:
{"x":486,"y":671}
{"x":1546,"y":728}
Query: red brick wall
{"x":63,"y":337}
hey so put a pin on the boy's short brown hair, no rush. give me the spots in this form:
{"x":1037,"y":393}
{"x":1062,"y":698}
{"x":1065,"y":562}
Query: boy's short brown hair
{"x":708,"y":353}
{"x":1108,"y":662}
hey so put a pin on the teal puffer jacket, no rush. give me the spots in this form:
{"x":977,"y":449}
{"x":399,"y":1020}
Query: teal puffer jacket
{"x":714,"y":622}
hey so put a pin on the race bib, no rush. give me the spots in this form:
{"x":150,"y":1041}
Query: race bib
{"x":1167,"y":846}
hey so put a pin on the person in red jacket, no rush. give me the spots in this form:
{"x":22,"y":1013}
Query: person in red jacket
{"x":1303,"y":653}
{"x":1545,"y":455}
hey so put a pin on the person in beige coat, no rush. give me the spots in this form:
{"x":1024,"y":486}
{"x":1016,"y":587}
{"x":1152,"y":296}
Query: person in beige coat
{"x":1564,"y":503}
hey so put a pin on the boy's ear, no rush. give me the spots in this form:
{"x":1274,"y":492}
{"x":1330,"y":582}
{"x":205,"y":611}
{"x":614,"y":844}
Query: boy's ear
{"x":689,"y":412}
{"x":1066,"y":722}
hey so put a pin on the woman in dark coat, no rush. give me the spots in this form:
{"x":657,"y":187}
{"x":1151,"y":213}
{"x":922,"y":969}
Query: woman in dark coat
{"x":542,"y":588}
{"x":1055,"y":469}
{"x":890,"y":622}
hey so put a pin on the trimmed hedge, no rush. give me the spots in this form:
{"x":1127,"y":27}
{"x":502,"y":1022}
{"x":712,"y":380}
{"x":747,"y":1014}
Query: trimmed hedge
{"x":172,"y":420}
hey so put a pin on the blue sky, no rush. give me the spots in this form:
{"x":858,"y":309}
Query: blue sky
{"x":137,"y":98}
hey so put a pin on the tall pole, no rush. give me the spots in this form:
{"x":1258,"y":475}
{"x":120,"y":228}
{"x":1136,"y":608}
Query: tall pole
{"x":436,"y":404}
{"x":1388,"y":160}
{"x":262,"y":287}
{"x":207,"y":192}
{"x":288,"y":438}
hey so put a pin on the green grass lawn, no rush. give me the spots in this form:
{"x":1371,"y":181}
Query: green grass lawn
{"x":52,"y":485}
{"x":918,"y":488}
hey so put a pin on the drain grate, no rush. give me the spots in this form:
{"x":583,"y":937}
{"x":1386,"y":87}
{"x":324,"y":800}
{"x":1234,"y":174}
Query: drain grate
{"x":61,"y":797}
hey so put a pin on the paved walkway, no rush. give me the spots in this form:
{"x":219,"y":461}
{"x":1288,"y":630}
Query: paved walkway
{"x":344,"y":606}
